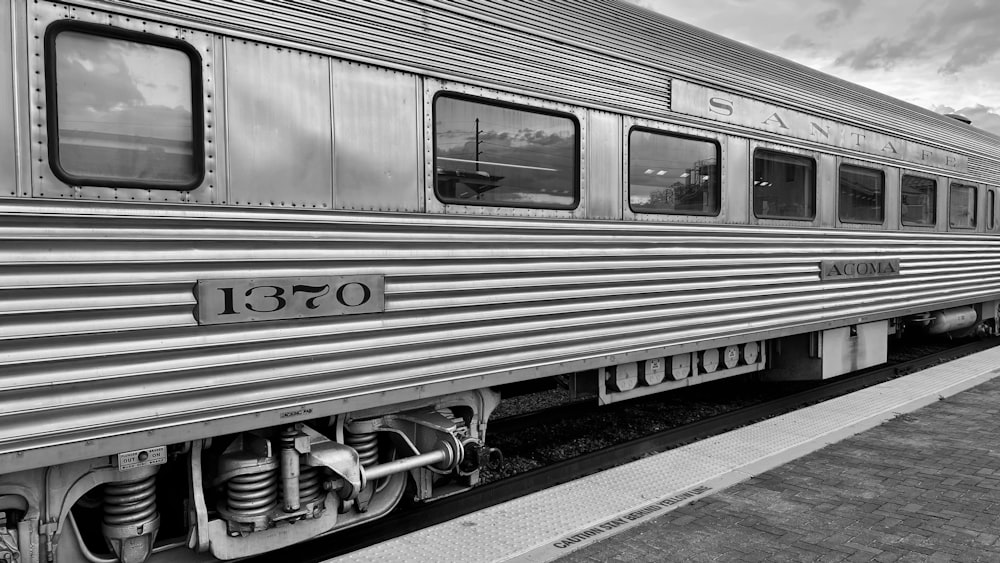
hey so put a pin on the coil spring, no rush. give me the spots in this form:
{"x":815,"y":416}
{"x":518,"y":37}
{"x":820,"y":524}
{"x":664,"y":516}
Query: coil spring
{"x":366,"y":446}
{"x":129,"y":502}
{"x":287,"y":437}
{"x":254,"y":494}
{"x":310,"y":484}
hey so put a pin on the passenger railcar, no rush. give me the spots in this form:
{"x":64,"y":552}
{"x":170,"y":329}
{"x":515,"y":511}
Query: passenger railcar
{"x":265,"y":263}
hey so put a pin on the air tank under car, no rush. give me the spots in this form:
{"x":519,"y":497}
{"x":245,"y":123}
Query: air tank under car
{"x":957,"y":321}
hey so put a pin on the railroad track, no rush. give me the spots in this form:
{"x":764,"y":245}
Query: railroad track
{"x":482,"y":497}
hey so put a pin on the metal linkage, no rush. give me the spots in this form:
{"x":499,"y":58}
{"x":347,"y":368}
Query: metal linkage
{"x":290,"y":475}
{"x":428,"y":436}
{"x":289,"y":470}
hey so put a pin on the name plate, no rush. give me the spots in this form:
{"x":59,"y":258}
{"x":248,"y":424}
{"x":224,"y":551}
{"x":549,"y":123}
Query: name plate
{"x":851,"y":269}
{"x":267,"y":299}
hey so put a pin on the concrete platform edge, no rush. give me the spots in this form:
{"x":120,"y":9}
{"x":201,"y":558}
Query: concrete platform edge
{"x":607,"y":506}
{"x":606,"y":528}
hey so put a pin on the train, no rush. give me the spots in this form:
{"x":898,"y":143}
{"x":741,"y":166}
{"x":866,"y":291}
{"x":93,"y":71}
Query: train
{"x":265,"y":267}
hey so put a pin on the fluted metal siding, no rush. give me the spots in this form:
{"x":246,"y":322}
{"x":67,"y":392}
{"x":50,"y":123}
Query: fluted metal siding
{"x":603,"y":52}
{"x":97,"y":328}
{"x":638,"y":34}
{"x":412,"y":35}
{"x":97,"y":307}
{"x":986,"y":169}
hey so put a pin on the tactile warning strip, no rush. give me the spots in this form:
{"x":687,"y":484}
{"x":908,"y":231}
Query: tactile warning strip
{"x":551,"y":523}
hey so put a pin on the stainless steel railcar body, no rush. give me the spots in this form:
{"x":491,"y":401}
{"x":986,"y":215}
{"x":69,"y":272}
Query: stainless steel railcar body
{"x":314,"y":294}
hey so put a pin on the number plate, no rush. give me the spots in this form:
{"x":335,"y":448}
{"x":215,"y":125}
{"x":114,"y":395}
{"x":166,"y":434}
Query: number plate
{"x":265,"y":299}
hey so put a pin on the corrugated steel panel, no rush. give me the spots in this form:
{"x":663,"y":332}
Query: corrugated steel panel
{"x":593,"y":52}
{"x":427,"y":38}
{"x":984,"y":168}
{"x":99,"y":334}
{"x":638,"y":34}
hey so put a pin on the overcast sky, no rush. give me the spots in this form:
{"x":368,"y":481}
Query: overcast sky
{"x":943,"y":55}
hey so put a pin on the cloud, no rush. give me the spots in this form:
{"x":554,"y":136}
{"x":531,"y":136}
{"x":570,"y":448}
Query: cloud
{"x":799,"y":42}
{"x":881,"y":53}
{"x":647,"y":4}
{"x":827,"y":18}
{"x":983,"y":117}
{"x":842,"y":12}
{"x":960,"y":33}
{"x":973,"y":29}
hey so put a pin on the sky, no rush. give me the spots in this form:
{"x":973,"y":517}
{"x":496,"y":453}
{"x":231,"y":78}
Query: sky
{"x":943,"y":55}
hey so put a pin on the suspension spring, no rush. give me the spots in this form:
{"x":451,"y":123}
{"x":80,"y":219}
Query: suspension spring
{"x":254,"y":494}
{"x":310,"y":484}
{"x":366,"y":446}
{"x":130,"y":502}
{"x":286,"y":439}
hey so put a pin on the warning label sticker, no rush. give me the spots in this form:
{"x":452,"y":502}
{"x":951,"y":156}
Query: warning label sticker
{"x":142,"y":458}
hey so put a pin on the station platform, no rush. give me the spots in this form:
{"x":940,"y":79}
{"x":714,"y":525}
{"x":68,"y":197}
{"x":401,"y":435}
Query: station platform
{"x":908,"y":470}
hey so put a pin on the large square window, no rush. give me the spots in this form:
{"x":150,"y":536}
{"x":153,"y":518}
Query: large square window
{"x":919,"y":201}
{"x":124,"y":108}
{"x":507,"y":156}
{"x":784,"y":186}
{"x":861,"y":195}
{"x":673,"y":174}
{"x":962,"y":206}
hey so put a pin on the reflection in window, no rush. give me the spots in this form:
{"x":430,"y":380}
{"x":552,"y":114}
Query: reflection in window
{"x":784,"y":186}
{"x":124,"y":111}
{"x":669,"y":174}
{"x":486,"y":154}
{"x":962,"y":206}
{"x":862,"y":195}
{"x":919,"y":201}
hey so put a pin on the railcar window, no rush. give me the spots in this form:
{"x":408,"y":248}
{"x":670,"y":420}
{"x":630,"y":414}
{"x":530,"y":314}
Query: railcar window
{"x":784,"y":186}
{"x":919,"y":201}
{"x":673,"y":174}
{"x":862,"y":195}
{"x":124,"y":108}
{"x":488,"y":154}
{"x":962,"y":206}
{"x":991,"y":197}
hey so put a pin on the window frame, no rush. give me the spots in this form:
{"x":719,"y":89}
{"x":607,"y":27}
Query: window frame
{"x":782,"y":151}
{"x":840,"y":211}
{"x":936,"y":199}
{"x":665,"y":133}
{"x":991,"y":206}
{"x":52,"y":31}
{"x":975,"y":208}
{"x":578,"y":198}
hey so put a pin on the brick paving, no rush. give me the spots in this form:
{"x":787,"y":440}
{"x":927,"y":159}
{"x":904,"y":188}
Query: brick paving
{"x":922,"y":487}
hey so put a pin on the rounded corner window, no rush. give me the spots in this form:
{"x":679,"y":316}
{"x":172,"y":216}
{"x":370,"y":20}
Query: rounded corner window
{"x":784,"y":186}
{"x":918,"y":201}
{"x":504,"y":155}
{"x":861,"y":195}
{"x":962,"y":206}
{"x":671,"y":174}
{"x":124,"y":108}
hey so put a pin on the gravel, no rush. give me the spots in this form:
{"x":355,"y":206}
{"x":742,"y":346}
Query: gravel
{"x":530,"y":448}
